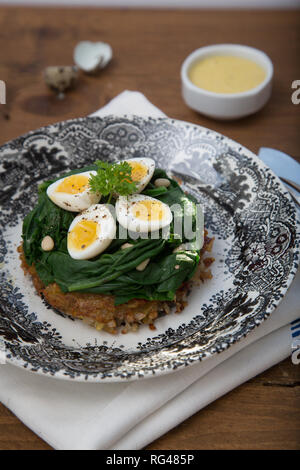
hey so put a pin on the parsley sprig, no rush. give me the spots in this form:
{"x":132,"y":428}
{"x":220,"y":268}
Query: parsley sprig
{"x":112,"y":178}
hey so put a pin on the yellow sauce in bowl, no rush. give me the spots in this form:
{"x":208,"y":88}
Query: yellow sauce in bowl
{"x":226,"y":74}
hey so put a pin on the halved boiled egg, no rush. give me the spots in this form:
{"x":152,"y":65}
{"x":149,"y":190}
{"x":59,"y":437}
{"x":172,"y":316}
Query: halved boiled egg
{"x":142,"y":170}
{"x":142,"y":213}
{"x":73,"y":193}
{"x":91,"y":232}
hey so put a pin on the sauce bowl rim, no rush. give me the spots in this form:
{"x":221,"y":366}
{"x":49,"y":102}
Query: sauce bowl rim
{"x":214,"y":49}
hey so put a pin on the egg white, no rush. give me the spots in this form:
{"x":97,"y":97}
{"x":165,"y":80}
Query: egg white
{"x":125,"y":207}
{"x":149,"y":164}
{"x":73,"y":202}
{"x":106,"y":232}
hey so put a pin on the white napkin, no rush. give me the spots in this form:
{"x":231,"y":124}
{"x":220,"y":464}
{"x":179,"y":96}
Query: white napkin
{"x":71,"y":415}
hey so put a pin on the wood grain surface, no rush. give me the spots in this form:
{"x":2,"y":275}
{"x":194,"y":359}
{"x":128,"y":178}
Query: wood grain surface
{"x":149,"y":48}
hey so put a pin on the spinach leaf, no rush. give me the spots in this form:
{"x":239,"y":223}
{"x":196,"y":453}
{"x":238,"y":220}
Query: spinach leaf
{"x":45,"y":219}
{"x":114,"y":271}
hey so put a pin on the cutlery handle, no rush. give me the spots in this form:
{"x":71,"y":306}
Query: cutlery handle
{"x":293,"y":185}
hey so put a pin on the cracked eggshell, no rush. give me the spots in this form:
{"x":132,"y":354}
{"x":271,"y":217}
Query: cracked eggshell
{"x":91,"y":56}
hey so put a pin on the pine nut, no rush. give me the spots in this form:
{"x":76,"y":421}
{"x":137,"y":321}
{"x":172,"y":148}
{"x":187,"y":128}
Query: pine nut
{"x":162,"y":182}
{"x":143,"y":265}
{"x":126,"y":245}
{"x":47,"y":243}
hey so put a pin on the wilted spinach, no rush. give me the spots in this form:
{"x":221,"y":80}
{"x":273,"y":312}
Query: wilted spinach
{"x":112,"y":272}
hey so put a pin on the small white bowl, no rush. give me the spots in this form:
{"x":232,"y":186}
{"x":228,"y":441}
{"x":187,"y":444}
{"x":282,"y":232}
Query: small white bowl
{"x":227,"y":105}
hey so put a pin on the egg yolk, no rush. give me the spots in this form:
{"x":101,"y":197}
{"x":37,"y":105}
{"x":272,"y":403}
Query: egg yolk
{"x":148,"y":210}
{"x":138,"y":171}
{"x":73,"y":184}
{"x":83,"y":234}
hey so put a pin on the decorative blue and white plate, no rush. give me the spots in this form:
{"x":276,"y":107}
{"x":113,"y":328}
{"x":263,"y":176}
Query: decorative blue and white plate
{"x":247,"y":210}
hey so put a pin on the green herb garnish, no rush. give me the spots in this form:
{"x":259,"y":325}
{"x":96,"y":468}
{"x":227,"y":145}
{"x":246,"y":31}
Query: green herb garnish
{"x":114,"y":271}
{"x":112,"y":178}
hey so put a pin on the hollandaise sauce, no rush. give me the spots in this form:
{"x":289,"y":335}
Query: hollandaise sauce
{"x":226,"y":74}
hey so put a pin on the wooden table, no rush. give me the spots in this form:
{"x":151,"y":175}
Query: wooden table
{"x":149,"y":47}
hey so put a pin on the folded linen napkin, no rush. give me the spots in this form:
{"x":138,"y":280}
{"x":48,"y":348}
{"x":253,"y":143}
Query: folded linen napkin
{"x":71,"y":415}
